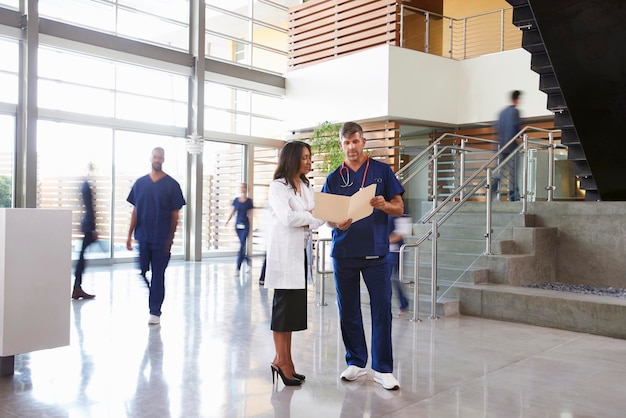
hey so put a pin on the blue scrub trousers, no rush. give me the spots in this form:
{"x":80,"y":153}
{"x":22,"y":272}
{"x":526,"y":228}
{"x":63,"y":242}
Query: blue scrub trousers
{"x":348,"y":284}
{"x":241,"y":255}
{"x":393,"y":270}
{"x":157,"y":256}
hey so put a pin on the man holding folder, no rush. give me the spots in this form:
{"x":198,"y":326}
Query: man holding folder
{"x":359,"y":248}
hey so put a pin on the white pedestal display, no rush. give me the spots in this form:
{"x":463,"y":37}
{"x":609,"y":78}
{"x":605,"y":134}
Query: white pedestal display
{"x":35,"y":273}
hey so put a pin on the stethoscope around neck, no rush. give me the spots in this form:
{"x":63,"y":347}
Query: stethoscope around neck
{"x":346,"y":178}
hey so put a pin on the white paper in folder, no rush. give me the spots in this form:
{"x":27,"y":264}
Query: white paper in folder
{"x":337,"y":208}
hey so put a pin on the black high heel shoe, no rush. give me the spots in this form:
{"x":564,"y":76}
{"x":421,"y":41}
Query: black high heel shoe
{"x":299,"y":376}
{"x":287,"y":382}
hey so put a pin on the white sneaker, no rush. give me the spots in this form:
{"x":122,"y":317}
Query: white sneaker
{"x":352,"y":372}
{"x":154,"y":320}
{"x":386,"y":380}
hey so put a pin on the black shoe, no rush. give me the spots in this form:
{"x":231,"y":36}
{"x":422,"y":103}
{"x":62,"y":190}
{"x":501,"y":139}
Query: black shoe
{"x":261,"y":282}
{"x":287,"y":382}
{"x":78,"y":293}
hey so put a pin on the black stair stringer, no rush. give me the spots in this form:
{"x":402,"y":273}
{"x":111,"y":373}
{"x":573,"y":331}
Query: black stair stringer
{"x":532,"y":41}
{"x":584,"y":41}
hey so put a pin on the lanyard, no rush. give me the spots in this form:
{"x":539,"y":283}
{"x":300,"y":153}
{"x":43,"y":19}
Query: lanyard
{"x":346,"y":179}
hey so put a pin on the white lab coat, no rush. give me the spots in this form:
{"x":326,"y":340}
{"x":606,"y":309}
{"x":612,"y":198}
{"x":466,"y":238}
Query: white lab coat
{"x":291,"y":223}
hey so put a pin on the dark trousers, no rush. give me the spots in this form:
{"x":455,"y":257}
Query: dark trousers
{"x":157,"y":257}
{"x":348,"y":273}
{"x":393,"y":263}
{"x":262,"y":276}
{"x":508,"y":171}
{"x":241,"y":256}
{"x":88,"y":239}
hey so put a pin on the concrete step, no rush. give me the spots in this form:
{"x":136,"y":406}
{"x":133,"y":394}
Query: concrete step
{"x":600,"y":315}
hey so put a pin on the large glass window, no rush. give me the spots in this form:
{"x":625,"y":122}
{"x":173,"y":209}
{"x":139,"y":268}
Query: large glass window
{"x":132,"y":160}
{"x":8,"y":70}
{"x":162,"y":22}
{"x":248,"y":33}
{"x":265,"y":161}
{"x":7,"y":151}
{"x":242,"y":112}
{"x":223,"y":174}
{"x":83,"y":84}
{"x":11,"y":4}
{"x":64,"y":152}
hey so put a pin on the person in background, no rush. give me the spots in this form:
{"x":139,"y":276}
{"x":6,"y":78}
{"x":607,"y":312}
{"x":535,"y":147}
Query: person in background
{"x":360,"y":249}
{"x":507,"y":126}
{"x":157,"y":199}
{"x":398,"y":228}
{"x":241,"y":206}
{"x":291,"y":202}
{"x":90,"y":235}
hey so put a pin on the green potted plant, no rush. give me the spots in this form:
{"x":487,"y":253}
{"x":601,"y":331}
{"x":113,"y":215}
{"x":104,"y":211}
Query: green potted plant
{"x":324,"y":142}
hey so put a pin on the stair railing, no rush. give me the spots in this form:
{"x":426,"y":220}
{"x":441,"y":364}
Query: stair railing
{"x":463,"y":197}
{"x":434,"y":151}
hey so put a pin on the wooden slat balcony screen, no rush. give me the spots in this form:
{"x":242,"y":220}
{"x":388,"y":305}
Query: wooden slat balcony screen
{"x":383,"y":144}
{"x":320,"y":30}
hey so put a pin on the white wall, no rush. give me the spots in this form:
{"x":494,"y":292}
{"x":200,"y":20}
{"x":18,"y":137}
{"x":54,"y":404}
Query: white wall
{"x":353,"y":87}
{"x":389,"y":82}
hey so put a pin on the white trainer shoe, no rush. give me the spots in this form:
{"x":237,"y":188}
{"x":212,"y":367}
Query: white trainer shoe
{"x":386,"y":380}
{"x":154,"y":320}
{"x":352,"y":373}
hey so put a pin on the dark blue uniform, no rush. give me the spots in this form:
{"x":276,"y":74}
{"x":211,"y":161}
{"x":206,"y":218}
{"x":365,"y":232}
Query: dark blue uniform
{"x":361,"y":249}
{"x":154,"y":203}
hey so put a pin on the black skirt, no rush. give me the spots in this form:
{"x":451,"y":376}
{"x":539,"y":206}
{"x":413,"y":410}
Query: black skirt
{"x":289,"y":311}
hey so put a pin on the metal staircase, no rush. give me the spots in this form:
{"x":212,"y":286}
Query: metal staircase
{"x":532,"y":41}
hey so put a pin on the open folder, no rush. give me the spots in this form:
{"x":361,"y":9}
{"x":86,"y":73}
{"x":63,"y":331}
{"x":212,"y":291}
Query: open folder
{"x":337,"y":208}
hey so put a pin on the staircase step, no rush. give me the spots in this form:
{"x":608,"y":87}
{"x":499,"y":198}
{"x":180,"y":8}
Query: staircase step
{"x":600,"y":315}
{"x":592,"y":196}
{"x":523,"y":16}
{"x":540,"y":63}
{"x":575,"y":152}
{"x":563,"y":119}
{"x":556,"y":102}
{"x":581,"y":168}
{"x":532,"y":42}
{"x":588,"y":183}
{"x":548,"y":83}
{"x":569,"y":136}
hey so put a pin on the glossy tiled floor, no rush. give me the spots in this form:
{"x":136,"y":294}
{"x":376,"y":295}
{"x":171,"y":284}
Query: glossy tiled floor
{"x":210,"y":357}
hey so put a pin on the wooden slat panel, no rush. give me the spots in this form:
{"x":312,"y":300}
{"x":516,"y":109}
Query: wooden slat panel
{"x":324,"y":29}
{"x":337,"y":18}
{"x":363,"y":44}
{"x":320,"y":37}
{"x":332,"y":44}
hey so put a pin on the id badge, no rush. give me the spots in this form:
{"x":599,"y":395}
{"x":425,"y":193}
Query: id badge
{"x":240,"y":226}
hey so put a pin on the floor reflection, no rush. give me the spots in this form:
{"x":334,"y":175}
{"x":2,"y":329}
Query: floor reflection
{"x":211,"y":355}
{"x":151,"y":394}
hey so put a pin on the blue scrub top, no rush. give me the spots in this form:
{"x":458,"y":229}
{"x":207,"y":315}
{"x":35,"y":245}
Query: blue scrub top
{"x":369,"y":236}
{"x":242,"y":211}
{"x":154,"y":204}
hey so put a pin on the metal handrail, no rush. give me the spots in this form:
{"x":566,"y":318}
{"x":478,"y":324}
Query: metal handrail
{"x":321,"y":244}
{"x":453,"y":53}
{"x":459,"y":191}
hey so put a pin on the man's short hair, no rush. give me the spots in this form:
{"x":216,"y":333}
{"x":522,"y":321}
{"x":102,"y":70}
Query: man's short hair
{"x":350,"y":128}
{"x":515,"y":95}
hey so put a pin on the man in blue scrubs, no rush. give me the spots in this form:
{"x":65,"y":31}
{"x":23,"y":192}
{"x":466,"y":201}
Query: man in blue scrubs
{"x":507,"y":126}
{"x":360,"y":249}
{"x":157,"y":198}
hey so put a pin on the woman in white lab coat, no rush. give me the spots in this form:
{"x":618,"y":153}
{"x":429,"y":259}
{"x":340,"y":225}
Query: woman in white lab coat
{"x":291,"y":202}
